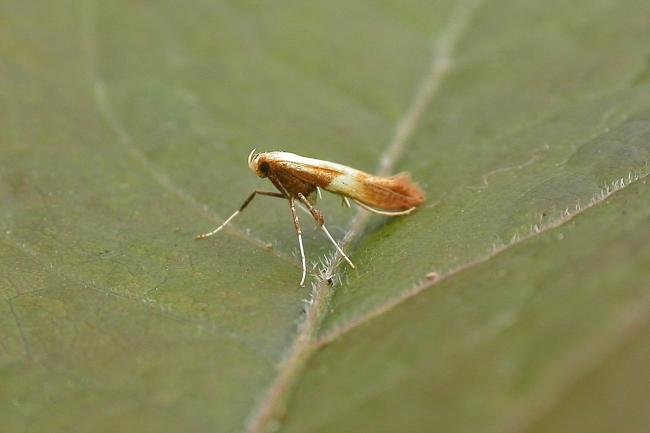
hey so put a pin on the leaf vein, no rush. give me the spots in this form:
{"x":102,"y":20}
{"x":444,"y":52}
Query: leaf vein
{"x":146,"y":303}
{"x":303,"y":346}
{"x":23,"y":337}
{"x":105,"y":108}
{"x":569,"y":215}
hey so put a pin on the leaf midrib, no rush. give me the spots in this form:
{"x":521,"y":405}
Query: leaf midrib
{"x":305,"y":342}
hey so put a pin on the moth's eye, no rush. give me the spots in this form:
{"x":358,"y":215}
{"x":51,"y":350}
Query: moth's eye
{"x":264,"y":168}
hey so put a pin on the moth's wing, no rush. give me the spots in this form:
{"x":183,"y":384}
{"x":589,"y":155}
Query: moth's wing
{"x":397,"y":193}
{"x":320,"y":175}
{"x":292,"y":183}
{"x":394,"y":194}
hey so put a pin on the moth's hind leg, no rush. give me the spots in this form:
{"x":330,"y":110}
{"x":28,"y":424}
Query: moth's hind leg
{"x":320,"y":221}
{"x":315,"y":213}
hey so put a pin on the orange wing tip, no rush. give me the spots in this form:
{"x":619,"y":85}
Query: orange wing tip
{"x":395,"y":195}
{"x":403,"y":185}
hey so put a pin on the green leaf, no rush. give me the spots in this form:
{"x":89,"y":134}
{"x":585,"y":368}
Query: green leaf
{"x":516,"y":299}
{"x":550,"y":335}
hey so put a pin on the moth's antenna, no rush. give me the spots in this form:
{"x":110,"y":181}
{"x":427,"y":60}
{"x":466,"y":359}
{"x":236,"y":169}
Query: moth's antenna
{"x":250,"y":157}
{"x":384,"y":212}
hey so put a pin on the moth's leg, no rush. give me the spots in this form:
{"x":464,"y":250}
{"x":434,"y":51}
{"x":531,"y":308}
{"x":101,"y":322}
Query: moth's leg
{"x":345,"y":202}
{"x":241,"y":208}
{"x":320,"y":221}
{"x":318,"y":216}
{"x":296,"y":224}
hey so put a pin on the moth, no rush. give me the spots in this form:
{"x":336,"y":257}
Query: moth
{"x":299,"y":179}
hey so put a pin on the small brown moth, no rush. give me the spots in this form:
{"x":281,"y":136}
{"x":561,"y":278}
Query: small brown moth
{"x":299,"y":179}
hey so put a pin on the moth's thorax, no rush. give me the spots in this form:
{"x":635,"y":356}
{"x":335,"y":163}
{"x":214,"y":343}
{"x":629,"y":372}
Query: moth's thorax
{"x":290,"y":173}
{"x":266,"y":164}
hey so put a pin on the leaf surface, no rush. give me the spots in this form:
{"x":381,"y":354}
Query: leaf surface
{"x":124,"y":131}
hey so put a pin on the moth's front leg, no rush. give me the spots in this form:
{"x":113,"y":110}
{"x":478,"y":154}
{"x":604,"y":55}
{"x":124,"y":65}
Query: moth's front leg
{"x":240,"y":210}
{"x":296,"y":224}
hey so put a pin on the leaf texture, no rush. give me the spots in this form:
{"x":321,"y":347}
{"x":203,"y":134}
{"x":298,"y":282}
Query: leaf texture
{"x":513,"y":300}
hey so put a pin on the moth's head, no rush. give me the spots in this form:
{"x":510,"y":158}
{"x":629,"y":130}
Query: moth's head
{"x":258,"y":163}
